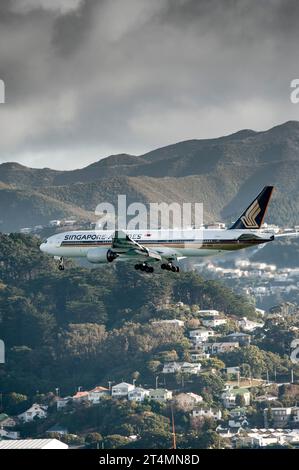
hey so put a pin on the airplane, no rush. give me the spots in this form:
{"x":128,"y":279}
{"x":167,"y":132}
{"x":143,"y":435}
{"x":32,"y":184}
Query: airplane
{"x":146,"y":247}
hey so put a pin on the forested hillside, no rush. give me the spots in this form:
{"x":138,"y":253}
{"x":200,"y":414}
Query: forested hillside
{"x":223,"y":173}
{"x":80,"y":327}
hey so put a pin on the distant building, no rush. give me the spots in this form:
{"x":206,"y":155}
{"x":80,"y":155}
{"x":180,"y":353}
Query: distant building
{"x":57,"y":429}
{"x":122,"y":390}
{"x":174,"y":322}
{"x":35,"y":411}
{"x":206,"y":413}
{"x":80,"y":396}
{"x":278,"y":417}
{"x":248,"y":325}
{"x":62,"y":402}
{"x":55,"y":223}
{"x":200,"y":335}
{"x":160,"y":394}
{"x":138,"y":394}
{"x":242,"y":338}
{"x":229,"y":397}
{"x":209,"y":313}
{"x":97,"y":393}
{"x":213,"y":322}
{"x":183,"y":367}
{"x":33,"y":444}
{"x":216,"y":348}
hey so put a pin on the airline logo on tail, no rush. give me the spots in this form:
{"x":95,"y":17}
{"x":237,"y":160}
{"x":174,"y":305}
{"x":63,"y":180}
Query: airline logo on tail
{"x":249,"y":219}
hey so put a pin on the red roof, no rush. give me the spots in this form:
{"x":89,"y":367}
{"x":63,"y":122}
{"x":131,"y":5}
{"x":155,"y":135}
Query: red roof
{"x":100,"y":389}
{"x":81,"y":395}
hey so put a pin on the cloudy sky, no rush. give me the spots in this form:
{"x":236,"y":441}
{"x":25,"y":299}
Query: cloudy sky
{"x":89,"y":78}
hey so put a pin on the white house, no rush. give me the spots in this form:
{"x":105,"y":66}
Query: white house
{"x":97,"y":393}
{"x":122,"y":390}
{"x":210,"y":313}
{"x":206,"y":413}
{"x":213,"y":322}
{"x":138,"y":394}
{"x":183,"y":367}
{"x":171,"y":368}
{"x":200,"y":335}
{"x":249,"y":325}
{"x":174,"y":322}
{"x":160,"y":394}
{"x":197,"y":356}
{"x":229,"y":397}
{"x":215,"y":348}
{"x":190,"y":368}
{"x":35,"y":411}
{"x":62,"y":402}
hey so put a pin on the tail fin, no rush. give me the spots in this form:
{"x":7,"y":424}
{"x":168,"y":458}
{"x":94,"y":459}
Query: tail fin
{"x":253,"y":216}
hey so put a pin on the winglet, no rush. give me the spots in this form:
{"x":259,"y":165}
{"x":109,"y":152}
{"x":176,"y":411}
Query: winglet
{"x":253,"y":216}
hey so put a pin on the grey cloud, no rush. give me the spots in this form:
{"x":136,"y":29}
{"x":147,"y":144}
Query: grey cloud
{"x":112,"y":76}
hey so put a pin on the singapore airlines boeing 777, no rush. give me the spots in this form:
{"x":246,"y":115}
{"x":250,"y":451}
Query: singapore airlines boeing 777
{"x":146,"y":247}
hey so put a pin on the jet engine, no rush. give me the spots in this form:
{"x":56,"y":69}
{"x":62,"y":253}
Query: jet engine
{"x":101,"y":255}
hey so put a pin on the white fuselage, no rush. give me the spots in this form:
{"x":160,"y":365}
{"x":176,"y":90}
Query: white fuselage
{"x":169,"y":243}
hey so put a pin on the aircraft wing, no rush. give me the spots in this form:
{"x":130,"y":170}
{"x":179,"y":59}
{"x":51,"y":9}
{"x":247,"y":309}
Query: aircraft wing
{"x":123,"y":244}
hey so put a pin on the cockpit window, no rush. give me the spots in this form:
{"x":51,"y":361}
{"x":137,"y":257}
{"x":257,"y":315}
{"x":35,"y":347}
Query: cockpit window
{"x":45,"y":240}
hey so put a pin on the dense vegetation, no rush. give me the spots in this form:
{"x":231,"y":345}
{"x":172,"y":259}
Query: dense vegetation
{"x":93,"y":324}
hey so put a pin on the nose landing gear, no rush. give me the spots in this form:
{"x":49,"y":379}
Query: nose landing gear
{"x":61,"y":264}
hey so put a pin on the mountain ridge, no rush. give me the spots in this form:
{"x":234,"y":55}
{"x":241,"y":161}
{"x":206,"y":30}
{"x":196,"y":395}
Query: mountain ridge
{"x":224,"y":173}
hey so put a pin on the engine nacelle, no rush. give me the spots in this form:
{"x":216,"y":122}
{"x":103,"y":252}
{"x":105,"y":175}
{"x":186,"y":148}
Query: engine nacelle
{"x":101,"y":255}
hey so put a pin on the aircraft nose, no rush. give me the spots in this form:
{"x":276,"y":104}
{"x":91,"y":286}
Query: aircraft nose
{"x":42,"y":247}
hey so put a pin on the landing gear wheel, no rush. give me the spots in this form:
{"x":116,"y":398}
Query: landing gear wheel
{"x":163,"y":266}
{"x":137,"y":266}
{"x":173,"y":269}
{"x":177,"y":269}
{"x":61,"y":264}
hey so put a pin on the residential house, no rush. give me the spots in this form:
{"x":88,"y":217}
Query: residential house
{"x":242,"y":338}
{"x":200,"y":335}
{"x":174,"y":322}
{"x":9,"y":434}
{"x":171,"y":368}
{"x":182,"y":367}
{"x":209,"y":313}
{"x":62,"y":402}
{"x":213,"y":322}
{"x":35,"y":411}
{"x":138,"y":394}
{"x":80,"y":397}
{"x":122,"y":390}
{"x":249,"y":325}
{"x":97,"y":393}
{"x":278,"y":417}
{"x":57,"y":429}
{"x":206,"y":413}
{"x":6,"y":421}
{"x":189,"y":399}
{"x":216,"y":348}
{"x":33,"y":444}
{"x":160,"y":394}
{"x":229,"y":397}
{"x":197,"y":356}
{"x":190,"y":368}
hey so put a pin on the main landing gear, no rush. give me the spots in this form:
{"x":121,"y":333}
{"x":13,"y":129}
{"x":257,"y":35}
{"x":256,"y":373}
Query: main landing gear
{"x":144,"y":267}
{"x":61,"y":264}
{"x":170,"y":267}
